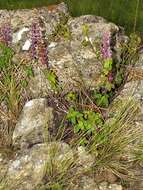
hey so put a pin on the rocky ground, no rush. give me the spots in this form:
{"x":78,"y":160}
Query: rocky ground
{"x":23,"y":167}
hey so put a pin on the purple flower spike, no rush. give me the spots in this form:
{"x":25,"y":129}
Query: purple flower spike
{"x":106,"y":51}
{"x":35,"y":38}
{"x":43,"y":54}
{"x":6,"y":34}
{"x":110,"y":77}
{"x":38,"y":48}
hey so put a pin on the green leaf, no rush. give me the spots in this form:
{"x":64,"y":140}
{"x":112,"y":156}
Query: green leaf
{"x":102,"y":101}
{"x":118,"y":78}
{"x":29,"y":71}
{"x":71,"y":96}
{"x":107,"y":66}
{"x":85,"y":29}
{"x":109,"y":86}
{"x":24,"y":83}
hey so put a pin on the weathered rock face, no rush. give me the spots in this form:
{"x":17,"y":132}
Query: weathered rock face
{"x":76,"y":64}
{"x":26,"y":170}
{"x":33,"y":123}
{"x":19,"y":23}
{"x":72,"y":62}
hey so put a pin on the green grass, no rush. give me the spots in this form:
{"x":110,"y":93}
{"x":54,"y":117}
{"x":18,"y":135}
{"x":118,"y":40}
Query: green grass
{"x":122,"y":12}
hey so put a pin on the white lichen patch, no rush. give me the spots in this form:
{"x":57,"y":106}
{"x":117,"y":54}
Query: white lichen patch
{"x":52,"y":45}
{"x":18,"y":35}
{"x":26,"y":45}
{"x":29,"y":104}
{"x":14,"y":166}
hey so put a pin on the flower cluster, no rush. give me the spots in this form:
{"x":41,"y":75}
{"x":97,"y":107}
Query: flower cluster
{"x":38,"y":47}
{"x":6,"y":34}
{"x":106,"y":51}
{"x":110,"y":77}
{"x":43,"y":52}
{"x":35,"y":38}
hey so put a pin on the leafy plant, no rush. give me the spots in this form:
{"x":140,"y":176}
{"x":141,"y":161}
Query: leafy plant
{"x":101,"y":100}
{"x":29,"y":71}
{"x":107,"y":66}
{"x":6,"y":55}
{"x":85,"y":30}
{"x":71,"y":96}
{"x":62,"y":29}
{"x":52,"y":78}
{"x":85,"y":121}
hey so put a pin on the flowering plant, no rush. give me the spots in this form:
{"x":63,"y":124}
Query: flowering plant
{"x":6,"y":34}
{"x":38,"y":47}
{"x":106,"y":54}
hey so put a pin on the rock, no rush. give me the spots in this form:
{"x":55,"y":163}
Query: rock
{"x":20,"y":22}
{"x":27,"y":45}
{"x":107,"y":176}
{"x":103,"y":186}
{"x":72,"y":62}
{"x":115,"y":187}
{"x":88,"y":183}
{"x":85,"y":160}
{"x":75,"y":64}
{"x":26,"y":171}
{"x":135,"y":86}
{"x":33,"y":123}
{"x":38,"y":85}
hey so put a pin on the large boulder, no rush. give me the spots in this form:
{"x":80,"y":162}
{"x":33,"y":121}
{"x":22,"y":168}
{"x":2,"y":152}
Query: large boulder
{"x":73,"y":62}
{"x":27,"y":169}
{"x":76,"y":64}
{"x":33,"y":124}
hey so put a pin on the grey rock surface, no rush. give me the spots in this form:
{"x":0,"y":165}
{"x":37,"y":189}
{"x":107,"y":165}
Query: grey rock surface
{"x":34,"y":121}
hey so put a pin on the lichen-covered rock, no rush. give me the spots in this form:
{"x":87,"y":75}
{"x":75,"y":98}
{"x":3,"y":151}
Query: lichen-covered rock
{"x":106,"y":175}
{"x":106,"y":186}
{"x":87,"y":183}
{"x":21,"y":21}
{"x":72,"y":62}
{"x":26,"y":170}
{"x":75,"y":64}
{"x":85,"y":160}
{"x":33,"y":123}
{"x":39,"y":86}
{"x":3,"y":167}
{"x":135,"y":86}
{"x":24,"y":17}
{"x":115,"y":187}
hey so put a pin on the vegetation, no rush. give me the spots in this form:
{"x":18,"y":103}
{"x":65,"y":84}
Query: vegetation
{"x":13,"y":82}
{"x":106,"y":132}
